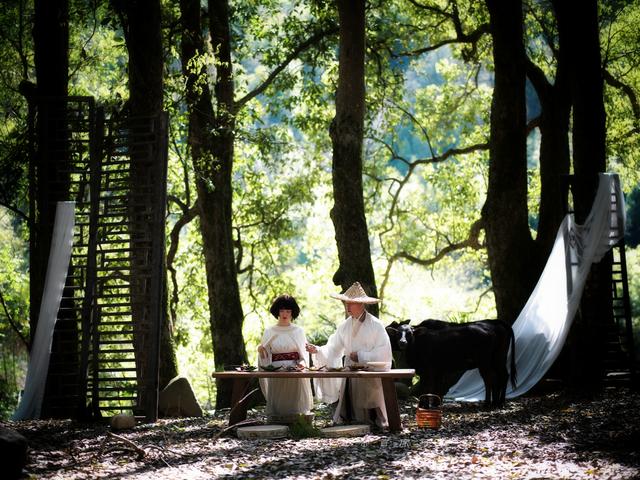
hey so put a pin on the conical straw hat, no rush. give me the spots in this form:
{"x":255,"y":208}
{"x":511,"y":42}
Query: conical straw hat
{"x":355,"y":294}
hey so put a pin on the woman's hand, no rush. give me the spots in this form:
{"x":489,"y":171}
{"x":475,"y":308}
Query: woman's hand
{"x":311,"y":348}
{"x":262,"y":352}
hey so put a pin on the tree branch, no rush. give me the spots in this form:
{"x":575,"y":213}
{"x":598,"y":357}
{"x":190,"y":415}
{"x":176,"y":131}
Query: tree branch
{"x":292,"y":56}
{"x":13,"y":324}
{"x":461,"y":37}
{"x":15,"y":210}
{"x":451,"y":152}
{"x":538,"y":79}
{"x":188,"y":214}
{"x":629,"y":92}
{"x":472,"y":241}
{"x":533,"y":124}
{"x":183,"y":206}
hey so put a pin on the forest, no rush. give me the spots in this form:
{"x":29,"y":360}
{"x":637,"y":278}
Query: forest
{"x":428,"y":149}
{"x":430,"y":162}
{"x":421,"y":147}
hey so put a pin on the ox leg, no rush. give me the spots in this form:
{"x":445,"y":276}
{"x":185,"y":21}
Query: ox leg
{"x":501,"y":386}
{"x":488,"y":386}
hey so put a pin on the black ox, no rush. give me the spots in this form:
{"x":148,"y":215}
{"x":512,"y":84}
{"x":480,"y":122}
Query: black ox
{"x":440,"y":352}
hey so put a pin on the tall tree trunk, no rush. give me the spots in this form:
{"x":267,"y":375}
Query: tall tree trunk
{"x":554,"y":152}
{"x":509,"y":242}
{"x":51,"y":51}
{"x":146,"y":75}
{"x":144,"y":44}
{"x":142,"y":27}
{"x":579,"y":22}
{"x":346,"y":132}
{"x":50,"y":184}
{"x":215,"y":209}
{"x":211,"y":139}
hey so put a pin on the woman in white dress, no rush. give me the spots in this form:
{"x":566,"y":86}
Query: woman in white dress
{"x":283,"y":345}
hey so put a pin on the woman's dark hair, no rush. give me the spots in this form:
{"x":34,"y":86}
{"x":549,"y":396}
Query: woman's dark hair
{"x":285,"y":302}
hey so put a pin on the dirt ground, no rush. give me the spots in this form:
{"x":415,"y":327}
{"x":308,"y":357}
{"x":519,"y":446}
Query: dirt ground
{"x":553,"y":436}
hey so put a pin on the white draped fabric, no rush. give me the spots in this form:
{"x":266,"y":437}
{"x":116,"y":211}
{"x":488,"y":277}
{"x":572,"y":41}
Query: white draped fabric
{"x":543,"y":325}
{"x":59,"y":255}
{"x":370,"y":341}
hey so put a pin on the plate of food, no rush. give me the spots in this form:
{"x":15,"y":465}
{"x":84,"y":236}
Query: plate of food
{"x":270,"y":368}
{"x":355,"y":367}
{"x":239,"y":368}
{"x":379,"y":366}
{"x":316,"y":369}
{"x":294,"y":368}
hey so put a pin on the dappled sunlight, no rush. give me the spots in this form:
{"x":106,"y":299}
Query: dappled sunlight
{"x":555,"y":436}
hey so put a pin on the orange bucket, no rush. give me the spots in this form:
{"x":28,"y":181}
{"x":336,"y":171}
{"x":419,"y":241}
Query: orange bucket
{"x":429,"y":411}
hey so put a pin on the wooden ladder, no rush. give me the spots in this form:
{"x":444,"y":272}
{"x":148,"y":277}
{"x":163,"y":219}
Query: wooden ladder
{"x":619,"y":358}
{"x":105,"y":351}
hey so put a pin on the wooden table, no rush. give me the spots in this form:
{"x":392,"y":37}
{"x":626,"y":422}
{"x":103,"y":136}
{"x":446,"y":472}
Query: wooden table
{"x":241,"y":382}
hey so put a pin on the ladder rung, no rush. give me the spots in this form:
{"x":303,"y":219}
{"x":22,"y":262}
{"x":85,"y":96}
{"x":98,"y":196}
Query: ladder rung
{"x":114,"y":399}
{"x":113,"y":224}
{"x":119,"y":360}
{"x":122,"y":304}
{"x":115,"y":323}
{"x":69,"y":309}
{"x":121,"y":250}
{"x":114,"y":197}
{"x":115,"y":389}
{"x":113,"y":370}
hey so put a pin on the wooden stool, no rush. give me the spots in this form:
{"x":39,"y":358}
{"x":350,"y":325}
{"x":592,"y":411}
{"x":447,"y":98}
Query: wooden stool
{"x":345,"y":431}
{"x":263,"y":431}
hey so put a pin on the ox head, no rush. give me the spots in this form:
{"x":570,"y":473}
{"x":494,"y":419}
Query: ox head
{"x":400,"y":334}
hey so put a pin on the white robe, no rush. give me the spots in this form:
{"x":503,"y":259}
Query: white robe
{"x":370,"y":341}
{"x":285,"y":396}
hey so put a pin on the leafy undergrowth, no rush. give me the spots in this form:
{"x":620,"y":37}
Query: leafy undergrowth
{"x":553,"y":436}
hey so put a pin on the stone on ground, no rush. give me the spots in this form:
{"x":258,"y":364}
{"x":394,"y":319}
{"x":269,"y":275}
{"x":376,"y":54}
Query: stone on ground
{"x":122,"y":421}
{"x":14,"y":451}
{"x":178,"y":400}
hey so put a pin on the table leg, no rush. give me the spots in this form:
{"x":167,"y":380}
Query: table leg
{"x":238,"y":409}
{"x":391,"y":402}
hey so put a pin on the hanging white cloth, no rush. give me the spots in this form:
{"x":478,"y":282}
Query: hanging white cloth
{"x":57,"y":267}
{"x":543,"y":325}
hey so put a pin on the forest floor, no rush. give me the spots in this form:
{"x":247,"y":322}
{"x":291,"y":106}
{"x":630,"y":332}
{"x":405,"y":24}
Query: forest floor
{"x":556,"y":435}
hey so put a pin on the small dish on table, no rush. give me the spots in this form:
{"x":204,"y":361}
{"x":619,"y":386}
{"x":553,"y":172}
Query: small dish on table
{"x":378,"y":366}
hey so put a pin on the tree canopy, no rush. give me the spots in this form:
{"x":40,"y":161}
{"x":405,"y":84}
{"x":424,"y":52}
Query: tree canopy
{"x":265,"y":96}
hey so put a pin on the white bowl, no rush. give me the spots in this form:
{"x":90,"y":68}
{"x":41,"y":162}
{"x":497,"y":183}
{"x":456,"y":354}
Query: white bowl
{"x":379,"y":366}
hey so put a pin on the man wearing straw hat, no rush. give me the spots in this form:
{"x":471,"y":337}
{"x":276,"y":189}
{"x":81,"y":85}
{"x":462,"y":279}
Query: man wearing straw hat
{"x":361,"y":338}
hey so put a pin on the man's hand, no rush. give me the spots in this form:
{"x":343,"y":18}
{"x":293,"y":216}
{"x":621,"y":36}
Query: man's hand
{"x":354,"y":356}
{"x":262,"y":351}
{"x":311,"y":348}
